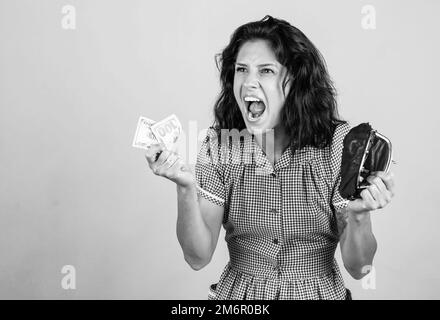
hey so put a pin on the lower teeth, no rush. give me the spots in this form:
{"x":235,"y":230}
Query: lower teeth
{"x":255,"y":116}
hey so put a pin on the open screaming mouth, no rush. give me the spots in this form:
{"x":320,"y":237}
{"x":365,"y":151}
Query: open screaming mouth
{"x":255,"y":109}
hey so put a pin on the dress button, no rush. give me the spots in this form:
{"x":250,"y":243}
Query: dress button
{"x":275,"y":241}
{"x":273,"y":211}
{"x":273,"y":174}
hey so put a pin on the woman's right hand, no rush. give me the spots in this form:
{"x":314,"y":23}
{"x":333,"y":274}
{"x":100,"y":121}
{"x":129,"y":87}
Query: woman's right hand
{"x":168,"y":164}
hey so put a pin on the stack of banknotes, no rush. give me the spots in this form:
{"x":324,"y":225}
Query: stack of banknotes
{"x":166,"y":131}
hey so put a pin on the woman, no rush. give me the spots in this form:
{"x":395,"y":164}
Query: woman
{"x":280,"y":206}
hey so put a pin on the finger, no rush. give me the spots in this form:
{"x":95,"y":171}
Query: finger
{"x":172,"y":170}
{"x":375,"y":192}
{"x":179,"y":165}
{"x":155,"y":166}
{"x":152,"y":151}
{"x":388,"y":180}
{"x":381,"y":197}
{"x":169,"y":161}
{"x":377,"y":181}
{"x":176,"y":161}
{"x":385,"y":195}
{"x":171,"y":167}
{"x":176,"y":145}
{"x":162,"y":158}
{"x":369,"y":202}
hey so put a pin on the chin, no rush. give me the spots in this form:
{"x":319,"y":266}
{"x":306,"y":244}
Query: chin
{"x":257,"y":129}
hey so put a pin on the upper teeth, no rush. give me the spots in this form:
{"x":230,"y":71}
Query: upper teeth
{"x":251,"y":99}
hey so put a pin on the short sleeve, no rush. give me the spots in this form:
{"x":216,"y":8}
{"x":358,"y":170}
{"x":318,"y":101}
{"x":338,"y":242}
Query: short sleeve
{"x":209,"y":171}
{"x":337,"y":201}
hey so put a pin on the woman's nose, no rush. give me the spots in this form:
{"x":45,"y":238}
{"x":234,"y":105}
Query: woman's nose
{"x":251,"y":81}
{"x":251,"y":84}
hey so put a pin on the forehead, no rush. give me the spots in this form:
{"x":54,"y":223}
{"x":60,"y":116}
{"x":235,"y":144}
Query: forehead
{"x":256,"y":51}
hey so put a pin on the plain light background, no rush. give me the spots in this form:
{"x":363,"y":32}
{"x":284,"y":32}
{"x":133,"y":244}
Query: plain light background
{"x":73,"y":191}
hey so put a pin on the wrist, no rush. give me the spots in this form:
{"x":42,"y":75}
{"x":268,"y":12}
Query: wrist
{"x":186,"y":188}
{"x":357,"y":216}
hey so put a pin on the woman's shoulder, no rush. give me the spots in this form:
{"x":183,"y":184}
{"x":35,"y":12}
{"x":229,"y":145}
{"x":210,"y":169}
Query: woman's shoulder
{"x":339,"y":134}
{"x":341,"y":130}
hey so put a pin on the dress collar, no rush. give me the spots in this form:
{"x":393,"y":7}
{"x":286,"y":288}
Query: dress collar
{"x":253,"y":150}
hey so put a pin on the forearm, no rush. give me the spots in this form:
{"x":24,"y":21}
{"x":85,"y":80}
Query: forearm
{"x":193,"y":234}
{"x":358,"y":244}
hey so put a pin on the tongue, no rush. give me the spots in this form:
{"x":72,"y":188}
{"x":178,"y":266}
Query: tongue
{"x":257,"y":108}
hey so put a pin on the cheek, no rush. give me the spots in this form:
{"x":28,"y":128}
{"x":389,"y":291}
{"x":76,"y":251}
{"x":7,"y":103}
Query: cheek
{"x":276,"y":107}
{"x":276,"y":97}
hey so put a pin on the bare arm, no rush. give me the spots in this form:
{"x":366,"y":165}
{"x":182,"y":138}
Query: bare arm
{"x":358,"y":244}
{"x":198,"y":226}
{"x":198,"y":220}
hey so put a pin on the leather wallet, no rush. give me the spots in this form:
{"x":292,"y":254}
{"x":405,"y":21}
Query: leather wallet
{"x":365,"y":151}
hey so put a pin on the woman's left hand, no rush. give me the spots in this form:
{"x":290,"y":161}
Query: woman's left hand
{"x":377,"y":195}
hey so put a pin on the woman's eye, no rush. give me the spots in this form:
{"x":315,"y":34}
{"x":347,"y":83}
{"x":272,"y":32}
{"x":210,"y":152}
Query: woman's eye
{"x":266,"y":70}
{"x":240,"y":69}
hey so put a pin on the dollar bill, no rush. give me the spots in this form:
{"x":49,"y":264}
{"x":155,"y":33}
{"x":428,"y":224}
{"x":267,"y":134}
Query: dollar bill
{"x":144,"y":136}
{"x":167,"y":130}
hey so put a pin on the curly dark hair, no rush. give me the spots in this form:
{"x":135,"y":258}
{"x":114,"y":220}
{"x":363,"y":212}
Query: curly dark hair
{"x":309,"y":114}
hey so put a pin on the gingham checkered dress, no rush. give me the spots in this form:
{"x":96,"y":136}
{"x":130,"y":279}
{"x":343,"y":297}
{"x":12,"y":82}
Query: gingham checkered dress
{"x":280,"y":223}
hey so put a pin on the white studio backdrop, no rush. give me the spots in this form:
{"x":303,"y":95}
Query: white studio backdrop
{"x":74,"y":192}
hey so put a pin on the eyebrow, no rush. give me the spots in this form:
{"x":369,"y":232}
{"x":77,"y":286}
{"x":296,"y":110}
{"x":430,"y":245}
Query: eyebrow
{"x":260,"y":65}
